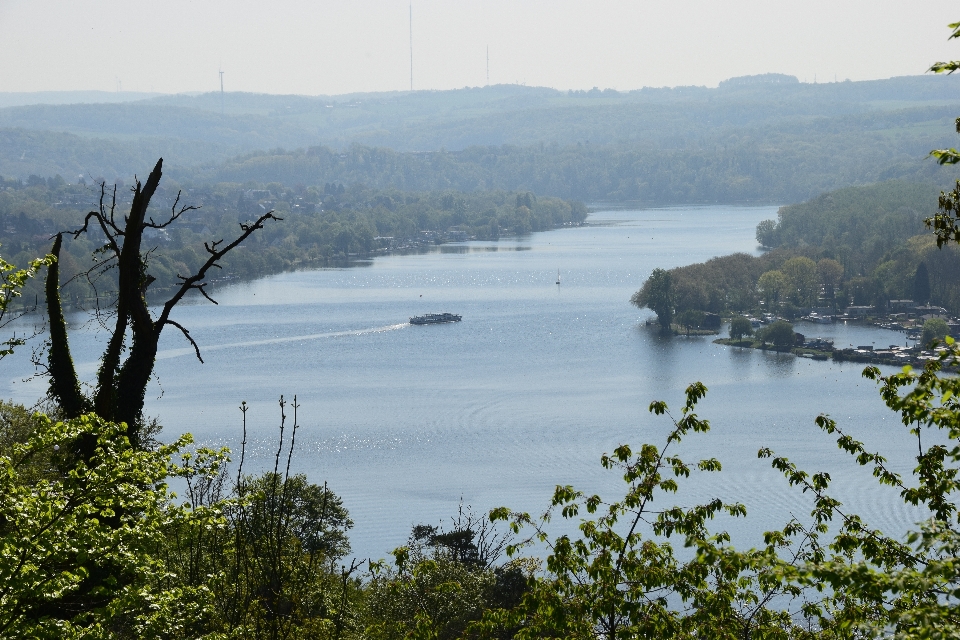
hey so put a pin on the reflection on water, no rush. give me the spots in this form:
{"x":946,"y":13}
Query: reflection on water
{"x":525,"y":393}
{"x":778,"y":364}
{"x":475,"y":248}
{"x":459,"y":248}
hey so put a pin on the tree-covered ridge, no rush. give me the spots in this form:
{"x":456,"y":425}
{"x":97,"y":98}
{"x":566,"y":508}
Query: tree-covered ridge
{"x":742,"y":142}
{"x":456,"y":119}
{"x":771,"y":162}
{"x":879,"y":236}
{"x":760,"y":167}
{"x":322,"y":225}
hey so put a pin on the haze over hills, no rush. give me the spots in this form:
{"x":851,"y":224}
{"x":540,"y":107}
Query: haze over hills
{"x":759,"y":138}
{"x":22,"y":98}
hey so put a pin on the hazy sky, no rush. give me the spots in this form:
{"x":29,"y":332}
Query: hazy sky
{"x":340,"y":46}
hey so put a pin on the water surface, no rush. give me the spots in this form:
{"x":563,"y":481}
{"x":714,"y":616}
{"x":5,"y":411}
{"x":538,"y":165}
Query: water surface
{"x":525,"y":393}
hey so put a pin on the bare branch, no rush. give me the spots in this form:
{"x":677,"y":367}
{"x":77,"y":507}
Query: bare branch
{"x":212,"y":246}
{"x":215,"y":255}
{"x":107,"y":225}
{"x":113,"y":207}
{"x":201,"y":289}
{"x":174,"y":214}
{"x":186,"y":334}
{"x":86,"y":221}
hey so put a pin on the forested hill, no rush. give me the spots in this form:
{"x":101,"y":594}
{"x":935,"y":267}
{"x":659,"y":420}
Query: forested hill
{"x":765,"y":166}
{"x":769,"y":166}
{"x":749,"y":140}
{"x":864,"y":222}
{"x":494,"y":115}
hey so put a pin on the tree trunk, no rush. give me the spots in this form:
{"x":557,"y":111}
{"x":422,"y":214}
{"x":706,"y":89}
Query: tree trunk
{"x":121,"y":385}
{"x":64,"y":383}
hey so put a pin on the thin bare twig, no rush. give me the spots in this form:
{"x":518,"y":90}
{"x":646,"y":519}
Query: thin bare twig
{"x":186,"y":334}
{"x":174,"y":214}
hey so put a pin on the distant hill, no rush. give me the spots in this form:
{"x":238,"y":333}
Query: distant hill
{"x":757,"y":138}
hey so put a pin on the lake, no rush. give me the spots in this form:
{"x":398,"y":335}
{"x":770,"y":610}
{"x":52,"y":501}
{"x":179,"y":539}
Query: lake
{"x":527,"y":392}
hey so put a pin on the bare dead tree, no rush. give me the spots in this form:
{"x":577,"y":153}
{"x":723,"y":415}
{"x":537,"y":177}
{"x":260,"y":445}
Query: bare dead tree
{"x":121,"y":383}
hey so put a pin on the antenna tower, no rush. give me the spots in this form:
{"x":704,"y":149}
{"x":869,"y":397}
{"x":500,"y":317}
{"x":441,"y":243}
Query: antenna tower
{"x":221,"y":92}
{"x":488,"y":65}
{"x":411,"y":46}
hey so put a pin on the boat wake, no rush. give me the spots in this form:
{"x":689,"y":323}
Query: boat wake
{"x":176,"y":353}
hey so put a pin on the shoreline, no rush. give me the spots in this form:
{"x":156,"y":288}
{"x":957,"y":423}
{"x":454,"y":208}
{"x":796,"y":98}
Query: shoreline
{"x":899,"y":357}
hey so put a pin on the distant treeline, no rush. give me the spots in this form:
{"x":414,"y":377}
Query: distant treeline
{"x":860,"y":245}
{"x":321,"y":225}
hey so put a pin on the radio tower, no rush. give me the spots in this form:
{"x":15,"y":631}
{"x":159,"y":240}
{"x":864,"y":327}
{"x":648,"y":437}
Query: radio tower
{"x":488,"y":65}
{"x":221,"y":92}
{"x":411,"y":46}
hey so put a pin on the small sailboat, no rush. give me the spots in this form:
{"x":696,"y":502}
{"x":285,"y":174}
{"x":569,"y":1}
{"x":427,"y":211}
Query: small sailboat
{"x":558,"y":276}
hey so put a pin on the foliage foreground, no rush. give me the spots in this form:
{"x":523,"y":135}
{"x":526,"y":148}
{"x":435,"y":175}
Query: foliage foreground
{"x":96,"y":546}
{"x":79,"y":535}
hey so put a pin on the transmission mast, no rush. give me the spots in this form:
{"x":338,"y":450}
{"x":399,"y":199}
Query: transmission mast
{"x":411,"y":46}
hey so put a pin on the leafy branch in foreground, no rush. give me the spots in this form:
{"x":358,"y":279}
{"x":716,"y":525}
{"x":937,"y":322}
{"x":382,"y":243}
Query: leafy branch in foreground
{"x":621,"y":578}
{"x":79,"y":537}
{"x":12,"y":281}
{"x":875,"y":584}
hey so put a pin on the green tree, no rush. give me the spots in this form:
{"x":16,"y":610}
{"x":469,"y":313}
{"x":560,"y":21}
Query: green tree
{"x":691,"y":319}
{"x":442,"y":581}
{"x":619,"y":577}
{"x":277,"y":574}
{"x":946,"y":222}
{"x":272,"y":568}
{"x":780,"y":334}
{"x":921,"y":284}
{"x":656,"y":294}
{"x":426,"y":596}
{"x":767,"y":234}
{"x":934,"y":329}
{"x":863,"y":290}
{"x":12,"y":281}
{"x":802,"y":275}
{"x":878,"y":585}
{"x":830,"y":273}
{"x":740,"y":327}
{"x":774,"y":287}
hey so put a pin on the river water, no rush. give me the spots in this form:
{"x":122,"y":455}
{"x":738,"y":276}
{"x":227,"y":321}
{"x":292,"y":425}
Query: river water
{"x":527,"y":392}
